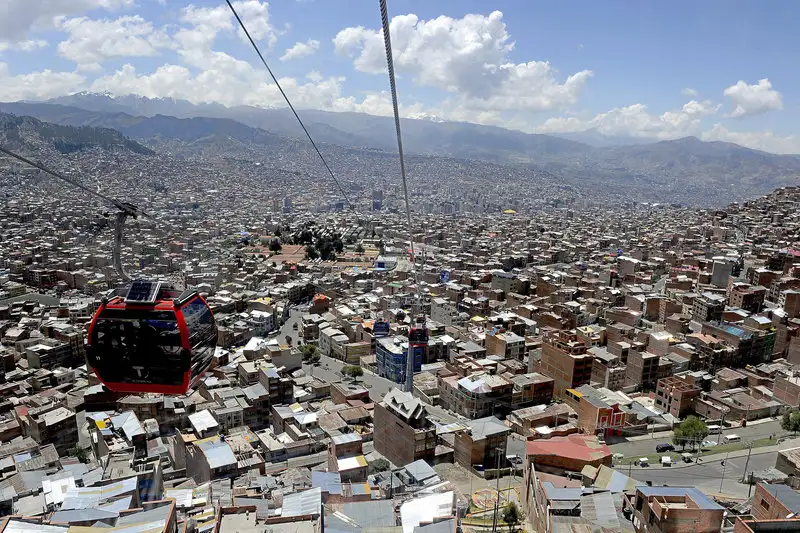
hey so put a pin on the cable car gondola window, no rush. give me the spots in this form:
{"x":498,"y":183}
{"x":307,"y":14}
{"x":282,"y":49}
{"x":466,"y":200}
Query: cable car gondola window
{"x":199,"y":321}
{"x":202,"y":335}
{"x":143,"y":347}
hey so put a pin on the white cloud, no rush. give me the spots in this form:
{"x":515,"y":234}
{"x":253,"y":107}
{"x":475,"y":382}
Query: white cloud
{"x":20,"y":16}
{"x":91,"y":41}
{"x":467,"y":57}
{"x":301,"y":50}
{"x":255,"y":16}
{"x":758,"y":140}
{"x":247,"y":87}
{"x":27,"y":45}
{"x":37,"y":85}
{"x":688,"y":91}
{"x":635,"y":121}
{"x":753,"y":99}
{"x":562,"y":125}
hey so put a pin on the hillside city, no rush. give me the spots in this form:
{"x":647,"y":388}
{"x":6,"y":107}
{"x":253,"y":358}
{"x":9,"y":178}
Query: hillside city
{"x":581,"y":362}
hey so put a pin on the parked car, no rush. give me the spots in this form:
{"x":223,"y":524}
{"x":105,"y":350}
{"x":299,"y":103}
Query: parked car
{"x":708,"y":443}
{"x":664,"y":447}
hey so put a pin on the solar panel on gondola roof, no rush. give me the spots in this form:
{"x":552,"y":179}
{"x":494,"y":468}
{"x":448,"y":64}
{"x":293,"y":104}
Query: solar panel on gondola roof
{"x":143,"y":291}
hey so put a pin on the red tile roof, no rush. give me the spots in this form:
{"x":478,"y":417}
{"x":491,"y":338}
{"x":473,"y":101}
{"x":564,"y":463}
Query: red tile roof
{"x":581,"y":447}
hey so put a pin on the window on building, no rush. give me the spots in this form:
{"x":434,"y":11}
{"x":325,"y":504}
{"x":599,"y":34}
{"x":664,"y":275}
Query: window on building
{"x":765,"y":504}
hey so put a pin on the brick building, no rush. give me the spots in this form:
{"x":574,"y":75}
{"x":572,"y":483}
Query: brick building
{"x":675,"y":510}
{"x":787,"y":390}
{"x":644,"y":369}
{"x":483,"y":442}
{"x":565,"y":359}
{"x":402,"y":431}
{"x":772,"y":501}
{"x":346,"y":456}
{"x":675,"y":396}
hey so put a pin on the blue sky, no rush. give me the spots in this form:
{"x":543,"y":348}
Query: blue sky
{"x":720,"y":70}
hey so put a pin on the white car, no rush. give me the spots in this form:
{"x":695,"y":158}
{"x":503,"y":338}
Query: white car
{"x":708,"y":443}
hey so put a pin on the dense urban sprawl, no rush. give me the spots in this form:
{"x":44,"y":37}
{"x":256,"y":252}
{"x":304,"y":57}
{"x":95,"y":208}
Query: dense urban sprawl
{"x":589,"y":362}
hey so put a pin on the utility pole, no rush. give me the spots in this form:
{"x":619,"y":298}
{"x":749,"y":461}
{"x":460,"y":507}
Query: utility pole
{"x":721,"y":427}
{"x":747,"y":462}
{"x":497,"y":500}
{"x":724,"y":466}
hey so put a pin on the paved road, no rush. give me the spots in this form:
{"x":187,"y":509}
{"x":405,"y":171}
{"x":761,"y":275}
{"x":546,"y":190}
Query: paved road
{"x":295,"y":315}
{"x":706,"y":476}
{"x":647,"y":445}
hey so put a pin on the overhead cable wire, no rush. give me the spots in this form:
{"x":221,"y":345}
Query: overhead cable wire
{"x":289,"y":103}
{"x":387,"y":42}
{"x":122,"y":206}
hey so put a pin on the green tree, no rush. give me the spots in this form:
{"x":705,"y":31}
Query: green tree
{"x":359,"y":248}
{"x":79,"y":453}
{"x":309,"y":351}
{"x":790,"y":421}
{"x":311,"y":252}
{"x":691,"y":431}
{"x":275,"y":246}
{"x":511,"y":516}
{"x":378,"y":465}
{"x":354,"y":371}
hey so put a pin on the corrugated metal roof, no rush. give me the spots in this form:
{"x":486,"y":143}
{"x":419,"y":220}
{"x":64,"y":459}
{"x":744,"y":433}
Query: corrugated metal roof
{"x":345,"y":438}
{"x":202,"y":421}
{"x":376,"y":513}
{"x":218,"y":453}
{"x":421,"y":470}
{"x":487,"y":427}
{"x":17,"y":526}
{"x":349,"y":463}
{"x":308,"y":502}
{"x":83,"y":498}
{"x":129,"y":424}
{"x":703,"y":501}
{"x":425,"y":509}
{"x":81,"y":515}
{"x":443,"y":526}
{"x":330,"y":482}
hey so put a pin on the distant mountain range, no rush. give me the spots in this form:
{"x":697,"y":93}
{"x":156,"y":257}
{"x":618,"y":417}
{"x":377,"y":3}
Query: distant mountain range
{"x":696,"y":171}
{"x":29,"y":134}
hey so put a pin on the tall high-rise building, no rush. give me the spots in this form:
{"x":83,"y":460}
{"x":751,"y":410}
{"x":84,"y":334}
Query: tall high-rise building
{"x":377,"y":199}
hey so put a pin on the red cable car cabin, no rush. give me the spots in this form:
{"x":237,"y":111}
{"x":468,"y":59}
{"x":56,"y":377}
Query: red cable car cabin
{"x":155,"y":339}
